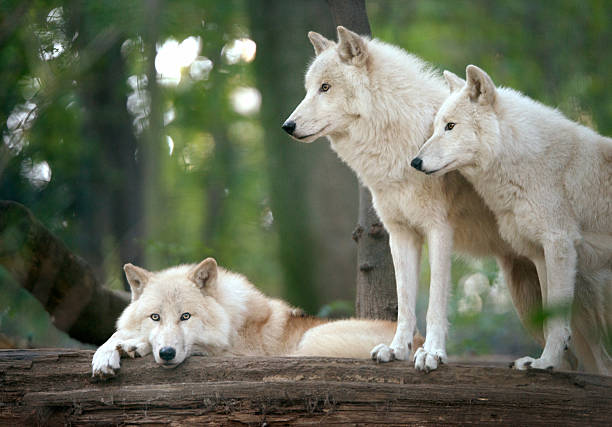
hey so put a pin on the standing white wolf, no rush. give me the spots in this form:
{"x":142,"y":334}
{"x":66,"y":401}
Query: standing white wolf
{"x":205,"y":308}
{"x":549,"y":182}
{"x":376,"y":104}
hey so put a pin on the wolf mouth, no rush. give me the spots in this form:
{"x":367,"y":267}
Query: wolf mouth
{"x":313,"y":134}
{"x":439,"y":169}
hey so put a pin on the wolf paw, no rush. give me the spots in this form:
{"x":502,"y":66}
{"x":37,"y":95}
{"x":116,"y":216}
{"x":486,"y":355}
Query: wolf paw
{"x":530,"y":363}
{"x":133,"y":348}
{"x":383,"y":353}
{"x":106,"y":361}
{"x":425,"y":360}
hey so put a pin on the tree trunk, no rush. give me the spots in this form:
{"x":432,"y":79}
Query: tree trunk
{"x":306,"y":181}
{"x":376,"y":295}
{"x":54,"y":387}
{"x":63,"y":283}
{"x":110,"y":191}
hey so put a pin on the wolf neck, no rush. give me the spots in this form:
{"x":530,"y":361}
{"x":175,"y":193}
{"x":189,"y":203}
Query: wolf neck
{"x":404,"y":99}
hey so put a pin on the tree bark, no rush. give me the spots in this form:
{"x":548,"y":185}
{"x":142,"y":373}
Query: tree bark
{"x":109,"y":192}
{"x":376,"y":295}
{"x":54,"y":387}
{"x":306,"y":181}
{"x":63,"y":283}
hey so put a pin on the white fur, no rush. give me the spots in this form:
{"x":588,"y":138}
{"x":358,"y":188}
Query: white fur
{"x":549,"y":182}
{"x":228,"y":316}
{"x":377,"y":113}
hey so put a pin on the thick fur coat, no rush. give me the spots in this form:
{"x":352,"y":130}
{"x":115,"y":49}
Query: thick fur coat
{"x":376,"y":103}
{"x":207,"y":309}
{"x":549,"y":182}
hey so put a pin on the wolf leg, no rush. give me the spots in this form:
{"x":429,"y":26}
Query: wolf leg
{"x":405,"y":247}
{"x":433,"y":352}
{"x":557,"y":275}
{"x":107,"y":358}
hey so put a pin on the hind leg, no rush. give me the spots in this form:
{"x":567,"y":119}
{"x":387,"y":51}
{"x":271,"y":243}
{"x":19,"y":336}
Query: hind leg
{"x":521,"y":277}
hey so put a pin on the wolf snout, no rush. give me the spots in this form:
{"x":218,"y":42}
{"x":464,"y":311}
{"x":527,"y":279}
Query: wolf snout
{"x":417,"y":163}
{"x":289,"y":127}
{"x":167,"y":353}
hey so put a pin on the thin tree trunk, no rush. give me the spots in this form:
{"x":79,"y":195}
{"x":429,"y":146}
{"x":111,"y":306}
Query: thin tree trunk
{"x":376,"y":294}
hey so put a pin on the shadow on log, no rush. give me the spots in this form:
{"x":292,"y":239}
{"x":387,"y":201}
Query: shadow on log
{"x":63,"y":283}
{"x":54,"y":387}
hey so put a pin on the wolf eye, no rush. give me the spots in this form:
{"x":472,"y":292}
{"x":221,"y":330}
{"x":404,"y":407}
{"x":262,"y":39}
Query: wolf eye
{"x":185,"y":316}
{"x":449,"y":126}
{"x":155,"y":317}
{"x":325,"y":87}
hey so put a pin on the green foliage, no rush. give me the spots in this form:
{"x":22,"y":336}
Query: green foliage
{"x":211,"y":184}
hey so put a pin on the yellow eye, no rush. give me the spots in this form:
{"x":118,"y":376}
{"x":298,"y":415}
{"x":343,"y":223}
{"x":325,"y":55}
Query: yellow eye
{"x":155,"y":317}
{"x":325,"y":87}
{"x":449,"y":126}
{"x":185,"y":316}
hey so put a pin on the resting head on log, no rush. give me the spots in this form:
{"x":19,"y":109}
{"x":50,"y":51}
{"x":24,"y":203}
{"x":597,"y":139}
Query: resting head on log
{"x":206,"y":309}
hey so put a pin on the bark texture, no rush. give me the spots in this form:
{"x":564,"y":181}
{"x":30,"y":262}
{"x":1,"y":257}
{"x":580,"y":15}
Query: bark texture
{"x":63,"y":283}
{"x":376,"y":295}
{"x":54,"y":387}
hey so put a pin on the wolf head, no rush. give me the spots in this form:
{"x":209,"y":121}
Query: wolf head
{"x":464,"y":126}
{"x":175,"y":310}
{"x":335,"y":83}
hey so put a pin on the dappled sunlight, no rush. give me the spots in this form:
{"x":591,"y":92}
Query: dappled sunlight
{"x":243,"y":49}
{"x":197,"y":151}
{"x":173,"y":56}
{"x":170,"y":143}
{"x":38,"y":174}
{"x":200,"y":68}
{"x":18,"y":122}
{"x":246,"y":100}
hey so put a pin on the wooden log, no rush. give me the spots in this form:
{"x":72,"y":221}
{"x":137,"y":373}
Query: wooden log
{"x":63,"y":283}
{"x":55,"y":387}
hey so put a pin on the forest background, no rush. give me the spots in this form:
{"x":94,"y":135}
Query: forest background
{"x":149,"y":132}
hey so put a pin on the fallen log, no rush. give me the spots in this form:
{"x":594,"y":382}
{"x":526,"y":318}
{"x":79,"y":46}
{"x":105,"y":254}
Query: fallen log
{"x":55,"y":387}
{"x":63,"y":283}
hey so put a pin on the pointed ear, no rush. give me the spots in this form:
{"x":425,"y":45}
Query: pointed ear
{"x":319,"y":42}
{"x":204,"y":274}
{"x":137,"y":278}
{"x":480,"y":86}
{"x":454,"y":81}
{"x":352,"y":47}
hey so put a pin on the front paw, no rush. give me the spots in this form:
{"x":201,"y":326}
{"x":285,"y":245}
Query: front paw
{"x":106,"y":361}
{"x":428,"y":360}
{"x":133,"y":348}
{"x":383,"y":353}
{"x":527,"y":362}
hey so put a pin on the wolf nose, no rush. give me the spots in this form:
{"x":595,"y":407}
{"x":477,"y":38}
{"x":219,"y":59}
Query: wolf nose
{"x":167,"y":353}
{"x":289,"y":126}
{"x":417,"y":163}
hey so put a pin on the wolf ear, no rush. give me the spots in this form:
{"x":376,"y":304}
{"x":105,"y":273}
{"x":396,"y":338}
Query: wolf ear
{"x":351,"y":47}
{"x":319,"y":42}
{"x":480,"y":86}
{"x":454,"y":81}
{"x":204,"y":274}
{"x":137,"y":278}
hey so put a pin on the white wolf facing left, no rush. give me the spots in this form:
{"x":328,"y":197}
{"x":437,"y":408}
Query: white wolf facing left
{"x":549,"y":182}
{"x":205,"y":308}
{"x":376,"y":103}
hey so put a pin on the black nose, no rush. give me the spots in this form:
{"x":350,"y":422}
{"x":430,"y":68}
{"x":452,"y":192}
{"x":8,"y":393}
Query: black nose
{"x":417,"y":163}
{"x":167,"y":353}
{"x":289,"y":126}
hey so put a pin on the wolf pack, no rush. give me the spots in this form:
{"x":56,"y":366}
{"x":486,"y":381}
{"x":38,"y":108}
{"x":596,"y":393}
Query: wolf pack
{"x":457,"y":164}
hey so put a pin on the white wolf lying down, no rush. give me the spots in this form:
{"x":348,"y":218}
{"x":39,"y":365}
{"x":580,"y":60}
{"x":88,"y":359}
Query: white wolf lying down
{"x":203,"y":307}
{"x":376,"y":104}
{"x":549,"y":182}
